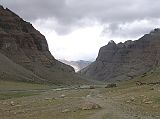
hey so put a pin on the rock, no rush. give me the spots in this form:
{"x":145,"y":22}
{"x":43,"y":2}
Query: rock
{"x":58,"y":89}
{"x":157,"y":117}
{"x":100,"y":96}
{"x":145,"y":99}
{"x":12,"y":103}
{"x":140,"y":83}
{"x":128,"y":101}
{"x":15,"y":113}
{"x":48,"y":98}
{"x":90,"y":106}
{"x":151,"y":88}
{"x":112,"y":85}
{"x":62,"y":96}
{"x":84,"y":87}
{"x":126,"y":60}
{"x":91,"y":87}
{"x":149,"y":102}
{"x":65,"y":111}
{"x":132,"y":99}
{"x":18,"y":105}
{"x":88,"y":96}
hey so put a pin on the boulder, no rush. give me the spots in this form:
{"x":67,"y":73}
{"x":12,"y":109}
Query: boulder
{"x":90,"y":106}
{"x":111,"y":85}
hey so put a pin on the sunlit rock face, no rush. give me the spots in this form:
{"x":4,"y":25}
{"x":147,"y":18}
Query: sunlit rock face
{"x":126,"y":60}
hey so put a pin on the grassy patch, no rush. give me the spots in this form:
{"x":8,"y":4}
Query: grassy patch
{"x":9,"y":85}
{"x":157,"y":99}
{"x":9,"y":95}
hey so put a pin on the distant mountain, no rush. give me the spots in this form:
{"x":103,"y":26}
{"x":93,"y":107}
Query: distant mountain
{"x":77,"y":65}
{"x":126,"y":60}
{"x":24,"y":50}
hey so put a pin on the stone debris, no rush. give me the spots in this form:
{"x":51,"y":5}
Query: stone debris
{"x":90,"y":106}
{"x":132,"y":99}
{"x":92,"y":87}
{"x":149,"y":102}
{"x":112,"y":85}
{"x":18,"y":105}
{"x":12,"y":103}
{"x":62,"y":96}
{"x":151,"y":88}
{"x":145,"y":100}
{"x":48,"y":98}
{"x":128,"y":101}
{"x":65,"y":111}
{"x":88,"y":96}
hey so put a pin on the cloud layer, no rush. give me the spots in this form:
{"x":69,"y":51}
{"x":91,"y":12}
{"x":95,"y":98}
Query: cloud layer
{"x":64,"y":22}
{"x":68,"y":14}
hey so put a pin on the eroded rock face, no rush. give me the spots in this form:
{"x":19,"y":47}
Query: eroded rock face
{"x":126,"y":60}
{"x":24,"y":45}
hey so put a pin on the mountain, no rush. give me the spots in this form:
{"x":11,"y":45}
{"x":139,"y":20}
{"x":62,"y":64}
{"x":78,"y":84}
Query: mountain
{"x":26,"y":51}
{"x":12,"y":71}
{"x":126,"y":60}
{"x":77,"y":65}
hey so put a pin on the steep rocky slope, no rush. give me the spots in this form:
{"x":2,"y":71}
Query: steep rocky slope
{"x":27,"y":47}
{"x":126,"y":60}
{"x":12,"y":71}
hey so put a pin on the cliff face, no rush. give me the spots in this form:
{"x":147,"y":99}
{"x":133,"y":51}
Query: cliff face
{"x":25,"y":46}
{"x":126,"y":60}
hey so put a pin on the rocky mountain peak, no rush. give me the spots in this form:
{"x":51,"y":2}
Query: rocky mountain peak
{"x":156,"y":31}
{"x":126,"y":60}
{"x":21,"y":43}
{"x":1,"y":7}
{"x":111,"y":43}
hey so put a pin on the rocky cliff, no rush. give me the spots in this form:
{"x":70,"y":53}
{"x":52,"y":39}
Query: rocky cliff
{"x":126,"y":60}
{"x":27,"y":47}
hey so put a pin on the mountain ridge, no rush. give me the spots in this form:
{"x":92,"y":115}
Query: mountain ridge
{"x":21,"y":43}
{"x":126,"y":60}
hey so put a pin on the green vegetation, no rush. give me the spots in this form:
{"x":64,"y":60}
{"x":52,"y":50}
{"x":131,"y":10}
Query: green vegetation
{"x":9,"y":85}
{"x":10,"y":95}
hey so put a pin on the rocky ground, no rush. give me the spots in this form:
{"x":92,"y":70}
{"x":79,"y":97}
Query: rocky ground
{"x":122,"y":102}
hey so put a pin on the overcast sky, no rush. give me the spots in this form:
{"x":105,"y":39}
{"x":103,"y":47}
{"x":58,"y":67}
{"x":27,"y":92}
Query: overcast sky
{"x":76,"y":29}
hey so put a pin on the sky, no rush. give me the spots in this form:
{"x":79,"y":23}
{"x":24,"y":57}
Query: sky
{"x":76,"y":29}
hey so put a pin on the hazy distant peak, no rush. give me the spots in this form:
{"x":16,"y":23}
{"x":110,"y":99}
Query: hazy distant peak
{"x":77,"y":65}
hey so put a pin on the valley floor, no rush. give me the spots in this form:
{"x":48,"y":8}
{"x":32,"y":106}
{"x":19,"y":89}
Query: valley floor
{"x":43,"y":102}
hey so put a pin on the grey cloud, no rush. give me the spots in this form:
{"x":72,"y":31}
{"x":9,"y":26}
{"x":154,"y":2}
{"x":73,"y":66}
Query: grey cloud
{"x":68,"y":13}
{"x":131,"y":29}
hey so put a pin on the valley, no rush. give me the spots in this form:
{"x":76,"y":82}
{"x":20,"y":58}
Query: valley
{"x":126,"y":101}
{"x":122,"y":83}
